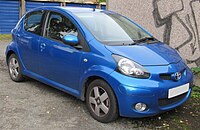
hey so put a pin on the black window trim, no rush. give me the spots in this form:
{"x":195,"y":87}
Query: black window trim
{"x":44,"y":22}
{"x":85,"y":48}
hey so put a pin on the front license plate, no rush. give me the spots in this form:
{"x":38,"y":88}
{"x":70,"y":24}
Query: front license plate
{"x":178,"y":90}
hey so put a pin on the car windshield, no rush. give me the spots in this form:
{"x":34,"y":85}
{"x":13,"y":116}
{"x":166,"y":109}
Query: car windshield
{"x":112,"y":29}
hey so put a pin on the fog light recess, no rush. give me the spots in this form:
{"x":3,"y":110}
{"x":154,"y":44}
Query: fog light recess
{"x":140,"y":106}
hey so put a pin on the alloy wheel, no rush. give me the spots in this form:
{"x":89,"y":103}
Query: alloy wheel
{"x":99,"y":101}
{"x":14,"y":68}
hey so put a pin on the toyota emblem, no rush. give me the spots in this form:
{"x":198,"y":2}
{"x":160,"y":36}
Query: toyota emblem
{"x":177,"y":76}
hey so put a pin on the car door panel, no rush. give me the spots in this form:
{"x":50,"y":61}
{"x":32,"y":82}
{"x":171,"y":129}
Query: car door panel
{"x":28,"y":45}
{"x":28,"y":39}
{"x":60,"y":63}
{"x":57,"y":61}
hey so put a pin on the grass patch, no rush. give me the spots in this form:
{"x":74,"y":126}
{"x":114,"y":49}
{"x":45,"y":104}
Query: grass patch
{"x":196,"y":71}
{"x":196,"y":92}
{"x":5,"y":37}
{"x":102,"y":0}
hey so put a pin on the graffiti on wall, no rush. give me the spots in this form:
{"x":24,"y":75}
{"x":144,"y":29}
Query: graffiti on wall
{"x":181,"y":21}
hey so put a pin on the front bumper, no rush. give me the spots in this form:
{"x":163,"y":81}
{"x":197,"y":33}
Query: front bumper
{"x":154,"y":105}
{"x":153,"y":92}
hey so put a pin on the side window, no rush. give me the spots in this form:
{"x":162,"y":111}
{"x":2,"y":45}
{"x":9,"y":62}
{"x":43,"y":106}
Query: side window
{"x":33,"y":22}
{"x":59,"y":26}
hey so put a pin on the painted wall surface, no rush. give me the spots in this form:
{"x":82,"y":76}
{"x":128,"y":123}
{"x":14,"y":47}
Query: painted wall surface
{"x":175,"y":22}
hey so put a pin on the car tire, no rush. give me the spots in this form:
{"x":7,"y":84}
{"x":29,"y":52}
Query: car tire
{"x":101,"y":101}
{"x":14,"y":68}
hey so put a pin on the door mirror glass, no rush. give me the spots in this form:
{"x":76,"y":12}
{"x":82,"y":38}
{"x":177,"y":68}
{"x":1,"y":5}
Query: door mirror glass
{"x":70,"y":40}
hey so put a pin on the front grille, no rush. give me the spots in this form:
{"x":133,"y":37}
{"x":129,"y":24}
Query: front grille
{"x":166,"y":101}
{"x":167,"y":76}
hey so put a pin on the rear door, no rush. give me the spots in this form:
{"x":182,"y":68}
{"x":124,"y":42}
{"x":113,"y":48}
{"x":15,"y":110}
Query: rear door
{"x":28,"y":39}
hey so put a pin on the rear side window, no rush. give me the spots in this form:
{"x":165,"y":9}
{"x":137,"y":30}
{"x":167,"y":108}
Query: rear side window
{"x":33,"y":22}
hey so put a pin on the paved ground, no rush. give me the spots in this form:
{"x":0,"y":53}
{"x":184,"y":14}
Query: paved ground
{"x":32,"y":105}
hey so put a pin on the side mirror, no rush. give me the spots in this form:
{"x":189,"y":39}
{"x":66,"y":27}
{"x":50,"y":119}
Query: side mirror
{"x":71,"y":40}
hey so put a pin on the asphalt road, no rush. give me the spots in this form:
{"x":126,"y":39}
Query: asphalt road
{"x":31,"y":105}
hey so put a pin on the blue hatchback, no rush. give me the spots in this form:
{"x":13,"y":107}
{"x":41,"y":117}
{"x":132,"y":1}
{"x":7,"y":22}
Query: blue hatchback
{"x":100,"y":57}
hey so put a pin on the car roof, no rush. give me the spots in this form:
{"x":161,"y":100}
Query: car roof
{"x":71,"y":9}
{"x":80,"y":9}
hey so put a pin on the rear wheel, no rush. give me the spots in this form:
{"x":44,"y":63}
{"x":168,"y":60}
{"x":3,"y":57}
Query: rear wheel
{"x":101,"y":101}
{"x":14,"y":68}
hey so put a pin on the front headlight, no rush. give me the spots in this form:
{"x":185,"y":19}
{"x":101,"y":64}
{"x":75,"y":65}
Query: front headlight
{"x":130,"y":68}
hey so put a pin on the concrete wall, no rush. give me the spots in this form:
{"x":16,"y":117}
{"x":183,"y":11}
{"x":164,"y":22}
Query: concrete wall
{"x":176,"y":22}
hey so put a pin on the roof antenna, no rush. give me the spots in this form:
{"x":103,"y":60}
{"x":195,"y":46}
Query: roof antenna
{"x":93,"y":9}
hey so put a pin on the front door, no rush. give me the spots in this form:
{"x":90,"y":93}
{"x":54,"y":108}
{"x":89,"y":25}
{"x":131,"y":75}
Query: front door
{"x":59,"y":62}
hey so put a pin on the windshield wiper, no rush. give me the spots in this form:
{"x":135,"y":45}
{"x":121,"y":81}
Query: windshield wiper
{"x":133,"y":43}
{"x":136,"y":41}
{"x":145,"y":39}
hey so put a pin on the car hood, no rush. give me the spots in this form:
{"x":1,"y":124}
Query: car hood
{"x":147,"y":54}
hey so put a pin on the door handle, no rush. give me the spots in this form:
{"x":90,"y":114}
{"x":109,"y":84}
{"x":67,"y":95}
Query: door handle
{"x":18,"y":35}
{"x":42,"y":46}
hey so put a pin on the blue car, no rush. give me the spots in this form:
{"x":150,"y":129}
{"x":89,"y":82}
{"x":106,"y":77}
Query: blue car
{"x":100,"y":57}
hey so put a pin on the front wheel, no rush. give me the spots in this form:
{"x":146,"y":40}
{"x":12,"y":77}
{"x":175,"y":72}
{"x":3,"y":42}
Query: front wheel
{"x":14,"y":68}
{"x":101,"y":101}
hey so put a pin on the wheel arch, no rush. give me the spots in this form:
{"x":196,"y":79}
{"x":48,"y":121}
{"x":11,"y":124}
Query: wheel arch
{"x":89,"y":80}
{"x":8,"y":54}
